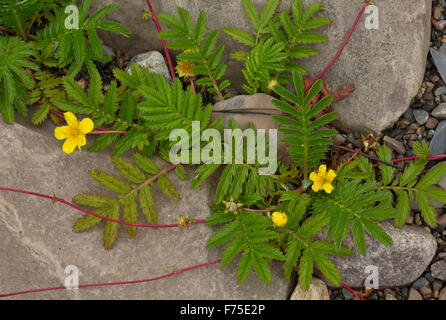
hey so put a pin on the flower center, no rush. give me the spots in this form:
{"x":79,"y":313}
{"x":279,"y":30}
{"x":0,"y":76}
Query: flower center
{"x":73,"y":132}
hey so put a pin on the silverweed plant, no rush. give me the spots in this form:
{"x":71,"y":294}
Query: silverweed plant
{"x":300,"y":215}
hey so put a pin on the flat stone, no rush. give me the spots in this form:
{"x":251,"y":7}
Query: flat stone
{"x":153,"y":61}
{"x":440,"y":112}
{"x":432,"y":123}
{"x":395,"y":145}
{"x":36,"y":234}
{"x":438,"y":143}
{"x":318,"y":291}
{"x":421,"y":116}
{"x":440,"y":91}
{"x":438,"y":270}
{"x":386,"y":65}
{"x":414,"y":295}
{"x":398,"y":265}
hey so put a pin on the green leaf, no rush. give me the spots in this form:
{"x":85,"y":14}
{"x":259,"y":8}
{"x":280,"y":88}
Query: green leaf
{"x":224,"y":234}
{"x":109,"y":181}
{"x":87,"y":221}
{"x":328,"y":269}
{"x":378,"y":232}
{"x":128,"y":170}
{"x":261,"y":268}
{"x":41,"y":114}
{"x":403,"y":208}
{"x":433,"y":176}
{"x":269,"y":252}
{"x":359,"y":237}
{"x":427,"y":210}
{"x":241,"y":36}
{"x":168,"y":188}
{"x":180,"y":172}
{"x":111,"y":230}
{"x":93,"y":200}
{"x":387,"y":172}
{"x":203,"y":173}
{"x":252,"y":14}
{"x":130,"y":212}
{"x":306,"y":269}
{"x":232,"y":250}
{"x":268,"y":12}
{"x":293,"y":252}
{"x":245,"y":267}
{"x":145,"y":163}
{"x":147,"y":205}
{"x":75,"y":91}
{"x":438,"y":194}
{"x":412,"y":172}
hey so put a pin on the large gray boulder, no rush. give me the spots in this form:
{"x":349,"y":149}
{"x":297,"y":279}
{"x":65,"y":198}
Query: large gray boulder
{"x":37,"y":241}
{"x":386,"y":65}
{"x":401,"y":264}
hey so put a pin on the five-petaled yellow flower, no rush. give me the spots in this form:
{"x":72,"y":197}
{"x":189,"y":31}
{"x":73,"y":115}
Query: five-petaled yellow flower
{"x":322,"y":179}
{"x":279,"y":218}
{"x":184,"y":68}
{"x":74,"y":132}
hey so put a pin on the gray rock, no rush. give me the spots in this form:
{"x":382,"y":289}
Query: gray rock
{"x":438,"y":143}
{"x":439,"y":60}
{"x":153,"y":61}
{"x":440,"y":91}
{"x":440,"y":112}
{"x":36,"y":234}
{"x":395,"y":145}
{"x":414,"y":295}
{"x":398,"y":265}
{"x":408,"y":115}
{"x":438,"y":270}
{"x":318,"y":291}
{"x":420,"y":283}
{"x":384,"y":87}
{"x":440,"y":25}
{"x":421,"y":116}
{"x":431,"y":123}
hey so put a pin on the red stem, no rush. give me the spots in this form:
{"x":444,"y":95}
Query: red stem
{"x":166,"y":50}
{"x":114,"y":283}
{"x":55,"y":199}
{"x":432,"y":158}
{"x":107,"y":132}
{"x":344,"y":43}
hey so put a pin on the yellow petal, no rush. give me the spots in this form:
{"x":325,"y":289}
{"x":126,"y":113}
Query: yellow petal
{"x":328,"y":187}
{"x":81,"y":140}
{"x":86,"y":126}
{"x":322,"y":169}
{"x":69,"y":145}
{"x":316,"y":187}
{"x":331,"y":175}
{"x":71,"y":119}
{"x":61,"y":132}
{"x":313,"y":176}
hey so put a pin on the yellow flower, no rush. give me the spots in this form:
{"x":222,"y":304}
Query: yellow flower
{"x":184,"y":68}
{"x":272,"y":84}
{"x":323,"y":179}
{"x":279,"y":218}
{"x":74,"y":133}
